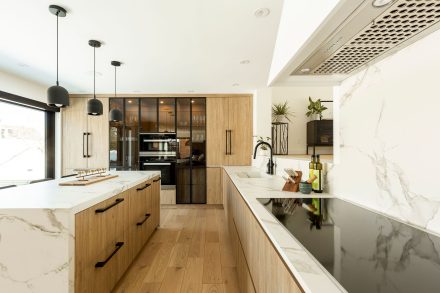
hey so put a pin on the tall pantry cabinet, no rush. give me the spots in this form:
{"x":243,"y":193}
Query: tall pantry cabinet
{"x":228,"y":139}
{"x":84,"y":137}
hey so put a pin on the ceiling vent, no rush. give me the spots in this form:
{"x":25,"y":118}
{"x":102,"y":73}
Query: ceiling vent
{"x":369,"y":34}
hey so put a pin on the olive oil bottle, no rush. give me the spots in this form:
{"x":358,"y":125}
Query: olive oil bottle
{"x":317,"y":184}
{"x":312,"y":167}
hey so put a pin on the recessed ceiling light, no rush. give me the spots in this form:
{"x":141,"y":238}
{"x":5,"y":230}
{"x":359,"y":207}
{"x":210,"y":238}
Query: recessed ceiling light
{"x":244,"y":62}
{"x":235,"y":84}
{"x":130,"y":101}
{"x":305,"y":70}
{"x":23,"y":65}
{"x":136,"y":91}
{"x":192,"y":101}
{"x":262,"y":12}
{"x":190,"y":91}
{"x":161,"y":102}
{"x":381,"y":3}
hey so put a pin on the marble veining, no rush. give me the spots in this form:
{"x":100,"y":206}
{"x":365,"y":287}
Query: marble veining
{"x":37,"y":230}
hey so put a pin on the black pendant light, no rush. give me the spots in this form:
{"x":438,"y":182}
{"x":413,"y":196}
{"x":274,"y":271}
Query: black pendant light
{"x":94,"y":106}
{"x":57,"y":96}
{"x":115,"y":115}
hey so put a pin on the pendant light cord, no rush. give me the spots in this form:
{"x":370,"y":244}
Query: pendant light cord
{"x":115,"y":81}
{"x":57,"y":48}
{"x":94,"y":72}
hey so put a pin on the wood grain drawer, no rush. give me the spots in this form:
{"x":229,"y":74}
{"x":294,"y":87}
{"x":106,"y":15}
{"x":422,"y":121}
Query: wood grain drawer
{"x":140,"y":216}
{"x":101,"y":245}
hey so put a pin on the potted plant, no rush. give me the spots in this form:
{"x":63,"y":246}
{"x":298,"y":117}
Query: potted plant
{"x":264,"y":150}
{"x":281,"y":112}
{"x":315,"y":108}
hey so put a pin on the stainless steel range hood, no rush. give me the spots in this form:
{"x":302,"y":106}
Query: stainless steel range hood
{"x":367,"y":35}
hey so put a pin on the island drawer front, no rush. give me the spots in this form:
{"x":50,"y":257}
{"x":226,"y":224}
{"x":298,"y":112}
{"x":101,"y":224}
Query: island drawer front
{"x":99,"y":231}
{"x":140,"y":217}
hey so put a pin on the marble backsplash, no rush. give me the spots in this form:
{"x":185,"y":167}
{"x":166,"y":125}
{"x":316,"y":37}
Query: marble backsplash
{"x":387,"y":136}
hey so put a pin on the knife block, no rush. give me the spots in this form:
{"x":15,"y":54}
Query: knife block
{"x":293,"y":187}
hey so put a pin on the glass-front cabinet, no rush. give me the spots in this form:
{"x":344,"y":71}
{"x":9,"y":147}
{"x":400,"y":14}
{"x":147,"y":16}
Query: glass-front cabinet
{"x":131,"y":134}
{"x":185,"y":118}
{"x":116,"y":137}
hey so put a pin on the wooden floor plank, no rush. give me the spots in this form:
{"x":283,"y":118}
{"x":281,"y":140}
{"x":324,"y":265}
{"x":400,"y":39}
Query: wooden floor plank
{"x":173,"y":280}
{"x":213,"y":288}
{"x":179,"y":256}
{"x":192,"y":282}
{"x":212,"y":270}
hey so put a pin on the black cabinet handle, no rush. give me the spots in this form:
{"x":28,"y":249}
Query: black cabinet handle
{"x":226,"y":142}
{"x":157,"y":180}
{"x":88,"y":155}
{"x":143,"y":221}
{"x":84,"y":153}
{"x":230,"y":142}
{"x":117,"y":201}
{"x":142,"y":188}
{"x":101,"y":264}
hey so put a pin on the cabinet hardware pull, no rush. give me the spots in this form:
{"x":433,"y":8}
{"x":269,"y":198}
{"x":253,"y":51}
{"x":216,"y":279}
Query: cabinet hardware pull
{"x":142,"y":188}
{"x":158,"y":179}
{"x":84,"y":153}
{"x":227,"y":142}
{"x":117,"y":201}
{"x":101,"y":264}
{"x":143,"y":221}
{"x":88,"y":155}
{"x":230,"y":142}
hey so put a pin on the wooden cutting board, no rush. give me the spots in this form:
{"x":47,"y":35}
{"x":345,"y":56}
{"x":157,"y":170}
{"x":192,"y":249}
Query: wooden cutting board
{"x":87,"y":181}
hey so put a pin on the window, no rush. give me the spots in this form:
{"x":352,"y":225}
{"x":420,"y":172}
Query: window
{"x":26,"y":141}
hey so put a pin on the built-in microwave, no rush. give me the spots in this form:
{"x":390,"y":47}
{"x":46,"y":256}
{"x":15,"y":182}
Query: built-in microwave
{"x":158,"y":145}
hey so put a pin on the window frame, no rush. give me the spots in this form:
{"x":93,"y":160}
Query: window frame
{"x":49,"y":118}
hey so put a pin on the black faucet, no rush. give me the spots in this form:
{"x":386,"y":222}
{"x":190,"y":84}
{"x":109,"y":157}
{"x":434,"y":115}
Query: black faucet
{"x":270,"y":164}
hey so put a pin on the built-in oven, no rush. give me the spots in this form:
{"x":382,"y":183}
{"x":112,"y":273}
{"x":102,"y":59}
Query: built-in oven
{"x":167,"y":168}
{"x":157,"y":152}
{"x":158,"y":145}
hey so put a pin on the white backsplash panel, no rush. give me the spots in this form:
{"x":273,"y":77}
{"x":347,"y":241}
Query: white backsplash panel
{"x":386,"y":157}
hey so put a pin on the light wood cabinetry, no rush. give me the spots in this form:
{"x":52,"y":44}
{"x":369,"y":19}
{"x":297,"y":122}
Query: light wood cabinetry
{"x":214,"y":186}
{"x":229,"y":131}
{"x":260,"y":268}
{"x":110,"y":234}
{"x":84,"y":137}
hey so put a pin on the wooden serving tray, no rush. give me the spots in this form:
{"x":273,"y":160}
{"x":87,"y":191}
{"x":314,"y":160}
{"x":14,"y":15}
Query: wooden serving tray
{"x":87,"y":181}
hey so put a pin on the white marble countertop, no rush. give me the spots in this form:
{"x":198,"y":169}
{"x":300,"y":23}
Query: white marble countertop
{"x":309,"y":273}
{"x":49,"y":195}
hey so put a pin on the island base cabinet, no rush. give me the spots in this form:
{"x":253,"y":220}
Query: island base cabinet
{"x":259,"y":266}
{"x":101,"y":245}
{"x":110,"y":234}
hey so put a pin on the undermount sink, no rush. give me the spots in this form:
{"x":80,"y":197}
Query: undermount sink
{"x":251,"y":174}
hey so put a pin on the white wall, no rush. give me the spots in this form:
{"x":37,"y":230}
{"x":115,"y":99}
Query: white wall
{"x":298,"y":99}
{"x":388,"y":136}
{"x":299,"y":19}
{"x":16,"y":85}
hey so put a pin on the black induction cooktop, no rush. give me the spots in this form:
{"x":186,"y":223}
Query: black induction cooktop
{"x":364,"y":251}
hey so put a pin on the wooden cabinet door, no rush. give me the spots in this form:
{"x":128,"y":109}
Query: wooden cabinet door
{"x":155,"y":202}
{"x":138,"y":218}
{"x":74,"y":131}
{"x":240,"y":125}
{"x":101,"y":245}
{"x":216,"y":126}
{"x":98,"y":138}
{"x":214,"y":186}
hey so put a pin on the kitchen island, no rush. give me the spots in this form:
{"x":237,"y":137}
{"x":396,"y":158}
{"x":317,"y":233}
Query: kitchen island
{"x":46,"y":230}
{"x":353,"y":249}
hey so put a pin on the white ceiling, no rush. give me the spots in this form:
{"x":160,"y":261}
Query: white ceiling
{"x":167,"y":46}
